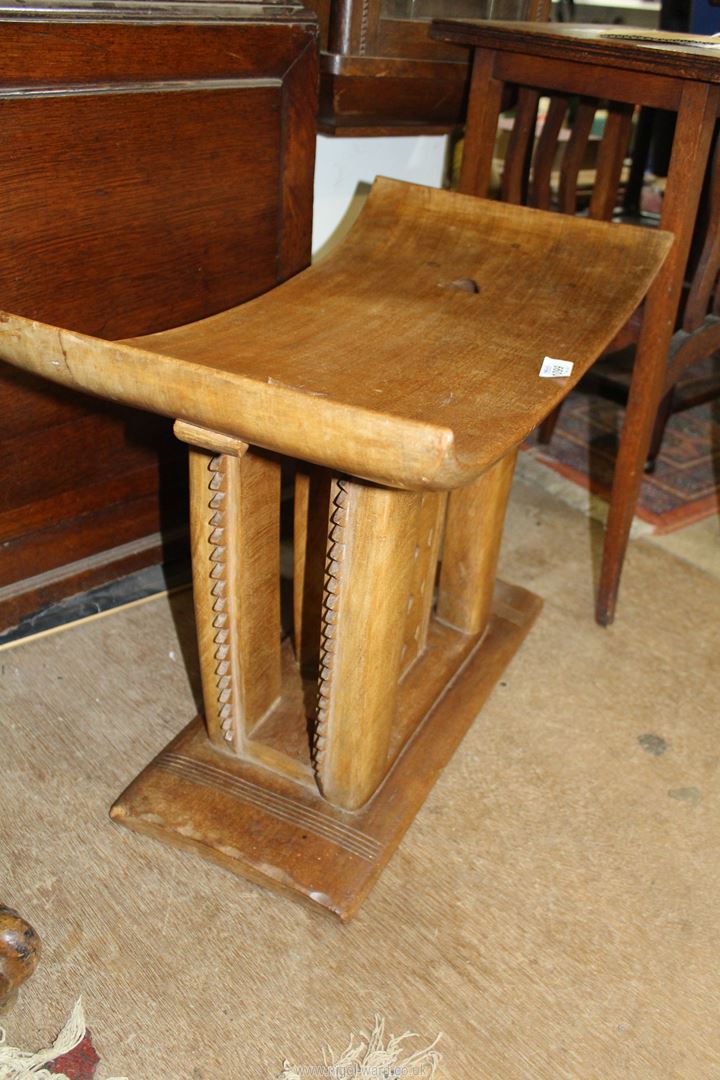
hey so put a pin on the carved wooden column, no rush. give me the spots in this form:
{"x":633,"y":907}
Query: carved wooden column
{"x":372,"y":537}
{"x":476,"y":514}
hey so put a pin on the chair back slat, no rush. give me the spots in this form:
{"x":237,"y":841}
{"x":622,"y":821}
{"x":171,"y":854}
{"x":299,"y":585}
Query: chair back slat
{"x":546,"y":153}
{"x":611,"y":155}
{"x":520,"y":147}
{"x":573,"y":156}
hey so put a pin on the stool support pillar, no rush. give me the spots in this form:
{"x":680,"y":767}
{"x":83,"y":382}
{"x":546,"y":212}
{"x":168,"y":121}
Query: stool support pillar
{"x":372,"y":546}
{"x":235,"y":537}
{"x":475,"y":519}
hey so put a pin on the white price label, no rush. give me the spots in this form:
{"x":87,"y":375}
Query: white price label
{"x":555,"y":369}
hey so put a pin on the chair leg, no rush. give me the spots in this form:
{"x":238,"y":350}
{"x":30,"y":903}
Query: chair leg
{"x":629,"y":471}
{"x":695,"y":124}
{"x":664,"y":413}
{"x":547,"y":428}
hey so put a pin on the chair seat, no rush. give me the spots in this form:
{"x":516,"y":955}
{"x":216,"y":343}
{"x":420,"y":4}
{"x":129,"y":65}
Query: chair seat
{"x":409,"y":357}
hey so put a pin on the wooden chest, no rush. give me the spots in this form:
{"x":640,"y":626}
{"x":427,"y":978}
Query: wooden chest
{"x":115,"y":221}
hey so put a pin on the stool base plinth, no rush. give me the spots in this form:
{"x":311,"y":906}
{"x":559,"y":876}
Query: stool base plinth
{"x":282,"y":833}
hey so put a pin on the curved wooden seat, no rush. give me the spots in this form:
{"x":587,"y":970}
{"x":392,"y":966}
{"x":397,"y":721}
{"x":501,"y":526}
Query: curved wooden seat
{"x":376,"y":361}
{"x":410,"y":359}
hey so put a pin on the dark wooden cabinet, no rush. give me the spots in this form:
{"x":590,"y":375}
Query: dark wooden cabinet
{"x":381,"y":73}
{"x":156,"y":165}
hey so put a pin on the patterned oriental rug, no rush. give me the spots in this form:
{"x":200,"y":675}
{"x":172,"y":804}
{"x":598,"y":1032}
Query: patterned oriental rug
{"x":685,"y":486}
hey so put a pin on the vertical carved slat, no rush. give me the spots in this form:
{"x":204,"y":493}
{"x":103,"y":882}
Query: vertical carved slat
{"x":473,"y":532}
{"x":572,"y":158}
{"x":371,"y":541}
{"x":545,"y":153}
{"x":641,"y":150}
{"x":429,"y":533}
{"x":234,"y":517}
{"x":520,"y":147}
{"x":312,"y":495}
{"x":611,"y":155}
{"x":706,"y":273}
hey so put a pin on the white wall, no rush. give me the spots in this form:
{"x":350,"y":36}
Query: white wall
{"x":346,"y":167}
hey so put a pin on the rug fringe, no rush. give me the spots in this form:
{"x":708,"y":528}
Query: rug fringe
{"x":17,"y":1064}
{"x":371,"y":1056}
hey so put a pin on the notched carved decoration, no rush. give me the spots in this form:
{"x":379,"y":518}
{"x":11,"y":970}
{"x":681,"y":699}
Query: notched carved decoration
{"x":331,"y":601}
{"x":218,"y":588}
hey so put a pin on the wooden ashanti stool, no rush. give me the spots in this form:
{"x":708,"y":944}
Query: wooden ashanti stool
{"x":399,"y":375}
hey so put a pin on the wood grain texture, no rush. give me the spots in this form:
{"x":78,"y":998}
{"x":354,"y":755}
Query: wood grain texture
{"x":545,"y":151}
{"x":310,"y":529}
{"x":584,"y":79}
{"x":613,"y":149}
{"x":235,"y":543}
{"x":421,"y":599}
{"x":645,"y":52}
{"x":277,"y":373}
{"x":515,"y":177}
{"x":573,"y":156}
{"x":372,"y":541}
{"x":473,"y":533}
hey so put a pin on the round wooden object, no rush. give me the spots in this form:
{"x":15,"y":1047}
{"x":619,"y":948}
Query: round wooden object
{"x":19,"y":954}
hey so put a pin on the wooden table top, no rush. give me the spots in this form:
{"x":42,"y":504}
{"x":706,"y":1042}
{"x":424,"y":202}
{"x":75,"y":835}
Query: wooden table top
{"x":684,"y":56}
{"x":374,"y":361}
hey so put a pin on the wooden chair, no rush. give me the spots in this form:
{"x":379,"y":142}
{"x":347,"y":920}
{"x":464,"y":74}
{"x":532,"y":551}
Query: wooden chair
{"x":532,"y":164}
{"x":527,"y":178}
{"x":399,"y":376}
{"x":623,"y":69}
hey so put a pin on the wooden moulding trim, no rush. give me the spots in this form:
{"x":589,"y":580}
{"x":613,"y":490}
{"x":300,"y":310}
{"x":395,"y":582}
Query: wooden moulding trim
{"x":159,"y":86}
{"x":109,"y":555}
{"x":392,"y":67}
{"x":354,"y":127}
{"x":136,"y":11}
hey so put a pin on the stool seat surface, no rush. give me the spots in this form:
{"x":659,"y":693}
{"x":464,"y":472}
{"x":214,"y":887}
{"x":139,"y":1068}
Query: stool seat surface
{"x":409,"y":356}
